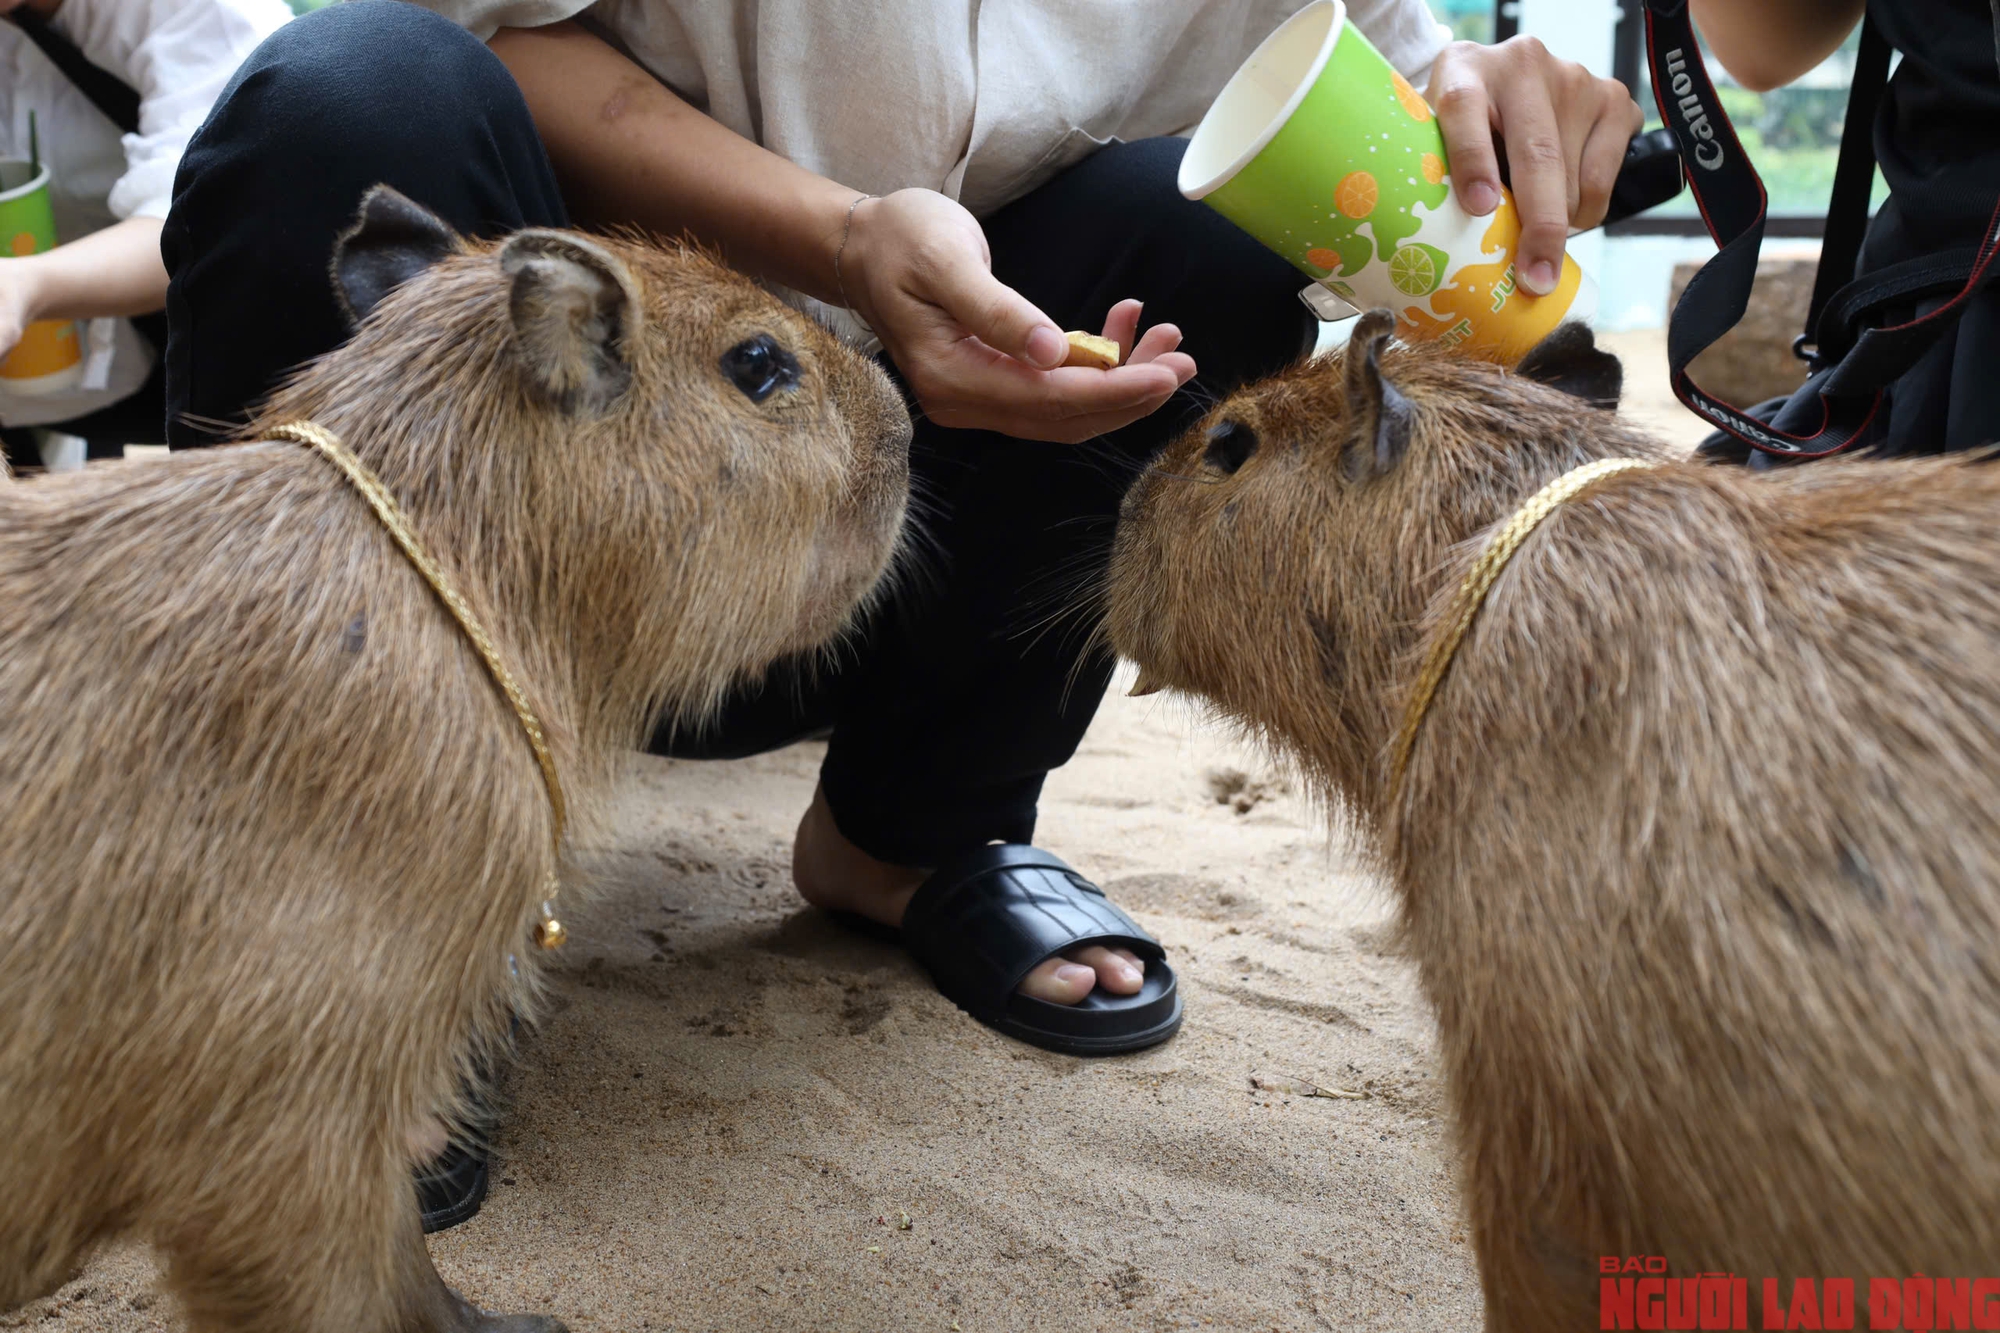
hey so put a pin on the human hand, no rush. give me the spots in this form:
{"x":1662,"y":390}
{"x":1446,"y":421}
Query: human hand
{"x":17,"y":302}
{"x":1565,"y":132}
{"x":976,"y":353}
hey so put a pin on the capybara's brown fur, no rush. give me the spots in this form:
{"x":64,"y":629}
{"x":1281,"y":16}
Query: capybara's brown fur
{"x":269,"y":836}
{"x":1697,"y":856}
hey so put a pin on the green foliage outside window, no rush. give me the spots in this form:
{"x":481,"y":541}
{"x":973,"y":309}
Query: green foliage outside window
{"x":1469,"y":20}
{"x":1792,"y":134}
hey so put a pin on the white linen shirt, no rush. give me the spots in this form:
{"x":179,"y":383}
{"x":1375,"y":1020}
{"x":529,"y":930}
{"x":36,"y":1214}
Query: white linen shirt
{"x":981,"y":99}
{"x":177,"y":55}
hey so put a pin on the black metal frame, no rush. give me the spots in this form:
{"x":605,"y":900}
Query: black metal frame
{"x":1629,"y":68}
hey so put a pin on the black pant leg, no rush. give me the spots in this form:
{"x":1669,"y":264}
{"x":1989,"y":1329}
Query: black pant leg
{"x":331,"y":104}
{"x":976,"y":682}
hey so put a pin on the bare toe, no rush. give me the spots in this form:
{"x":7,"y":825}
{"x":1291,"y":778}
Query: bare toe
{"x":1118,"y":971}
{"x":1059,"y":981}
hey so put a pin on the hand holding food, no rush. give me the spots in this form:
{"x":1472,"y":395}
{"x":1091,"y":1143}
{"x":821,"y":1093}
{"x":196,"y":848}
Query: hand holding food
{"x":975,"y":352}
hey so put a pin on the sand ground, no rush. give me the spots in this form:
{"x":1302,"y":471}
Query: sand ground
{"x":739,"y":1116}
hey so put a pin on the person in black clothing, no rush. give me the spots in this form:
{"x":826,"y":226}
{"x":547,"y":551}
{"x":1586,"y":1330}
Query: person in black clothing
{"x":1937,"y":140}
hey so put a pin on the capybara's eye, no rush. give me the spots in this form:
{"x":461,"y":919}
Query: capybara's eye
{"x":760,"y":367}
{"x":1230,"y":444}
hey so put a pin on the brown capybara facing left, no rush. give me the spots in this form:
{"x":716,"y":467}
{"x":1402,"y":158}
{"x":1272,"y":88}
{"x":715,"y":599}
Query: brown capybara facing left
{"x":1697,"y":853}
{"x":269,"y":836}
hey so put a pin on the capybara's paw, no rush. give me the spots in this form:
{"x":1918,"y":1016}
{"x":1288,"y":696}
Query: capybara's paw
{"x":465,"y":1317}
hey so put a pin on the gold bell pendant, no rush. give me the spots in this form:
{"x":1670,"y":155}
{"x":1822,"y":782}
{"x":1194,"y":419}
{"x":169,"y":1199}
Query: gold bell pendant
{"x":549,"y":932}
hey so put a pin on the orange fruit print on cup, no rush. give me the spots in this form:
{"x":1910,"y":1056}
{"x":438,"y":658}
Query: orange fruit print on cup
{"x":1482,"y":306}
{"x":1356,"y":195}
{"x":1419,"y":109}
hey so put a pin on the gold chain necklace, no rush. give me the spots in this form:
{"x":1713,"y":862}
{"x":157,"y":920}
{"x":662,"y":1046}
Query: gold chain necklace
{"x":549,"y":932}
{"x":1472,"y":592}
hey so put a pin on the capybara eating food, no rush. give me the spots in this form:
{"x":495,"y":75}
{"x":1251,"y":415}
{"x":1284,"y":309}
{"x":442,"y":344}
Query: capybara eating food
{"x":1696,"y":850}
{"x":272,"y":844}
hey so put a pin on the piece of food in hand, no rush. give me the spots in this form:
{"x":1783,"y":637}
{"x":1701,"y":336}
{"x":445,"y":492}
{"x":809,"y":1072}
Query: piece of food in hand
{"x":1087,"y":349}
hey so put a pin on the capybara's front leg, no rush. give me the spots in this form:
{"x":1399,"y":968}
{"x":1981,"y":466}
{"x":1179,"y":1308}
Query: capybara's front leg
{"x":1514,"y":1305}
{"x":1533,"y":1282}
{"x":452,"y":1313}
{"x":305,"y":1247}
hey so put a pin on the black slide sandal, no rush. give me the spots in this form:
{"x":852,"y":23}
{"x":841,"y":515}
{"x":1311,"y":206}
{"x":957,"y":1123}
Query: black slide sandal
{"x":452,"y":1189}
{"x":981,"y":923}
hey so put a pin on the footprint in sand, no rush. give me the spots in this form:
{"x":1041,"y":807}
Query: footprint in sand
{"x":1242,"y":792}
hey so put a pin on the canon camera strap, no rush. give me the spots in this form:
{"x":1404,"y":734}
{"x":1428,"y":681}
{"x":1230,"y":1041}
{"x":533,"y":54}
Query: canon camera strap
{"x":1733,"y":206}
{"x":1847,"y":209}
{"x":106,"y":91}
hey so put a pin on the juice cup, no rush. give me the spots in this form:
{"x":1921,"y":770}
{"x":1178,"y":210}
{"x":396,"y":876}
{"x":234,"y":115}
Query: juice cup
{"x":49,"y":357}
{"x":1323,"y":152}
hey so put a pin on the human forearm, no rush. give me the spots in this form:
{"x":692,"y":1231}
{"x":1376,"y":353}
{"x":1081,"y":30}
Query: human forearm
{"x":1766,"y":43}
{"x":916,"y":267}
{"x":629,"y":151}
{"x":116,"y":271}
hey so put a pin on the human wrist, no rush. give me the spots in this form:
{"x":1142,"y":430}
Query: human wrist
{"x":24,"y":288}
{"x":882,"y":233}
{"x":845,"y":278}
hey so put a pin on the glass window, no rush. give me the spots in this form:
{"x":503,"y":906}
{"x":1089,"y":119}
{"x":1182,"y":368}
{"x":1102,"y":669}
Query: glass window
{"x":1470,"y":20}
{"x":1792,"y":134}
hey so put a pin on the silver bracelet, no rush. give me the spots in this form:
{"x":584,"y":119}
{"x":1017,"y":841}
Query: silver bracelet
{"x":845,"y":228}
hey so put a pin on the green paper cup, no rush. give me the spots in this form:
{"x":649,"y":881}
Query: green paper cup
{"x":49,"y":357}
{"x":1322,"y":151}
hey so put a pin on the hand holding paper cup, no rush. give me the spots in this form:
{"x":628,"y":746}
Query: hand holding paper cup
{"x":49,"y":357}
{"x":1322,"y":151}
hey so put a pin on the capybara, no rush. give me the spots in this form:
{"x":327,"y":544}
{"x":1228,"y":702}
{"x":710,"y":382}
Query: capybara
{"x":271,"y":841}
{"x":1697,"y":851}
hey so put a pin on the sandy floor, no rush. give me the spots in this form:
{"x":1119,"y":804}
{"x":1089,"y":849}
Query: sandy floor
{"x":739,"y":1116}
{"x":1648,"y":400}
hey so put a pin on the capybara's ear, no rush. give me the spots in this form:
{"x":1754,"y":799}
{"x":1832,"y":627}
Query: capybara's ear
{"x":1380,"y":418}
{"x":573,"y":304}
{"x":392,"y":240}
{"x":1569,"y":359}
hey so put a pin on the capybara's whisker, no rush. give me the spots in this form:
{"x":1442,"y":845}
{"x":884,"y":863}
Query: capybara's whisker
{"x":210,"y":425}
{"x":1094,"y":647}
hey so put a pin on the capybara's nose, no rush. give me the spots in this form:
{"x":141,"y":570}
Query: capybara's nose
{"x":1230,"y":444}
